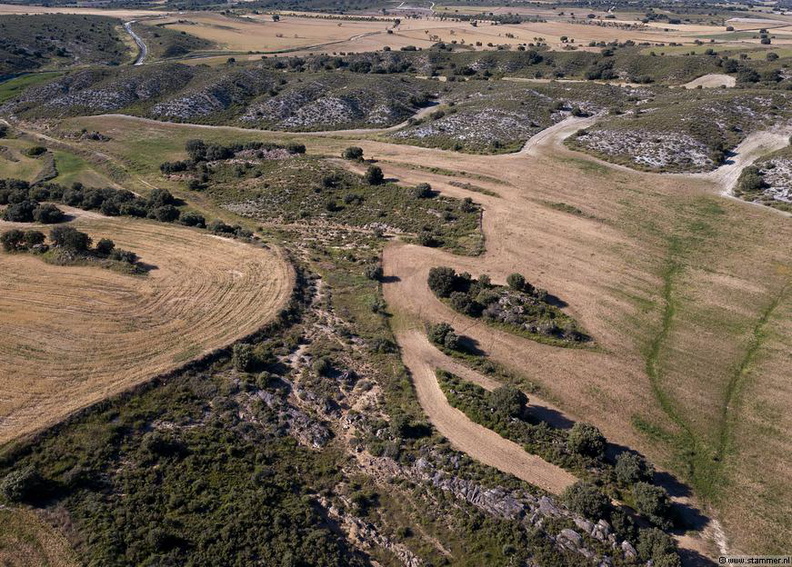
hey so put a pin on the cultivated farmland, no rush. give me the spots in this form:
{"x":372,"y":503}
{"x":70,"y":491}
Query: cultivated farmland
{"x":82,"y":333}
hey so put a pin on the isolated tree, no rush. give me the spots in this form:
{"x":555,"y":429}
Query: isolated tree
{"x":585,"y":439}
{"x":631,"y":468}
{"x":442,"y":280}
{"x":374,"y":175}
{"x":423,"y":191}
{"x":438,"y":332}
{"x":584,"y":499}
{"x":353,"y":152}
{"x":373,"y":271}
{"x":509,"y":401}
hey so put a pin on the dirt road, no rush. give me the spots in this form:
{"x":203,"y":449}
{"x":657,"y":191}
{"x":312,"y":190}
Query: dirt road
{"x":143,"y":50}
{"x":480,"y":443}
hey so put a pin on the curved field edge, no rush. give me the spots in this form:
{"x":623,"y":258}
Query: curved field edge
{"x":96,"y":333}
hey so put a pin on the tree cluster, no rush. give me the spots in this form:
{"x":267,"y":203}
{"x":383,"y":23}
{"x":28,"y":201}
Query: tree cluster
{"x":520,"y":305}
{"x":199,"y":152}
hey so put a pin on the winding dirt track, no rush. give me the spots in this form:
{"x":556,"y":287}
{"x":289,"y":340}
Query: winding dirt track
{"x":82,"y":334}
{"x":350,"y":132}
{"x":467,"y":436}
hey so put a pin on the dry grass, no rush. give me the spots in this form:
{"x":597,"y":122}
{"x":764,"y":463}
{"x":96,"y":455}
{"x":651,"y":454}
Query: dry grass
{"x":671,"y":279}
{"x":81,"y":334}
{"x":27,"y":541}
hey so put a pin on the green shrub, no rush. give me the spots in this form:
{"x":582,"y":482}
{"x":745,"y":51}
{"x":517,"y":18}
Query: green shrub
{"x":584,"y":499}
{"x":585,"y":439}
{"x":653,"y":502}
{"x":374,"y":175}
{"x":631,"y":468}
{"x":353,"y":152}
{"x":22,"y":485}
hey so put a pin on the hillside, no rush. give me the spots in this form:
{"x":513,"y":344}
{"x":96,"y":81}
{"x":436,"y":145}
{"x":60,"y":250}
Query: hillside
{"x":30,"y":43}
{"x":247,"y":96}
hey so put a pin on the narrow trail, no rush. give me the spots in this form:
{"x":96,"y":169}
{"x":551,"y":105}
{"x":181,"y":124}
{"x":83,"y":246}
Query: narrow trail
{"x":480,"y":443}
{"x":350,"y":132}
{"x":143,"y":49}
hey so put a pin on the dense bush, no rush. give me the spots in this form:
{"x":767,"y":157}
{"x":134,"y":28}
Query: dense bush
{"x":586,"y":500}
{"x":586,"y":439}
{"x":48,"y":214}
{"x":509,"y":400}
{"x":442,"y":281}
{"x":653,"y":502}
{"x":15,"y":240}
{"x":70,"y":238}
{"x":374,"y":175}
{"x":657,"y":546}
{"x":353,"y":152}
{"x":443,"y":334}
{"x":22,"y":485}
{"x":631,"y":468}
{"x":20,"y":212}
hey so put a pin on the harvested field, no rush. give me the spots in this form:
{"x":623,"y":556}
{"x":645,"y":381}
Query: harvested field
{"x":303,"y":34}
{"x":711,"y":81}
{"x":82,"y":334}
